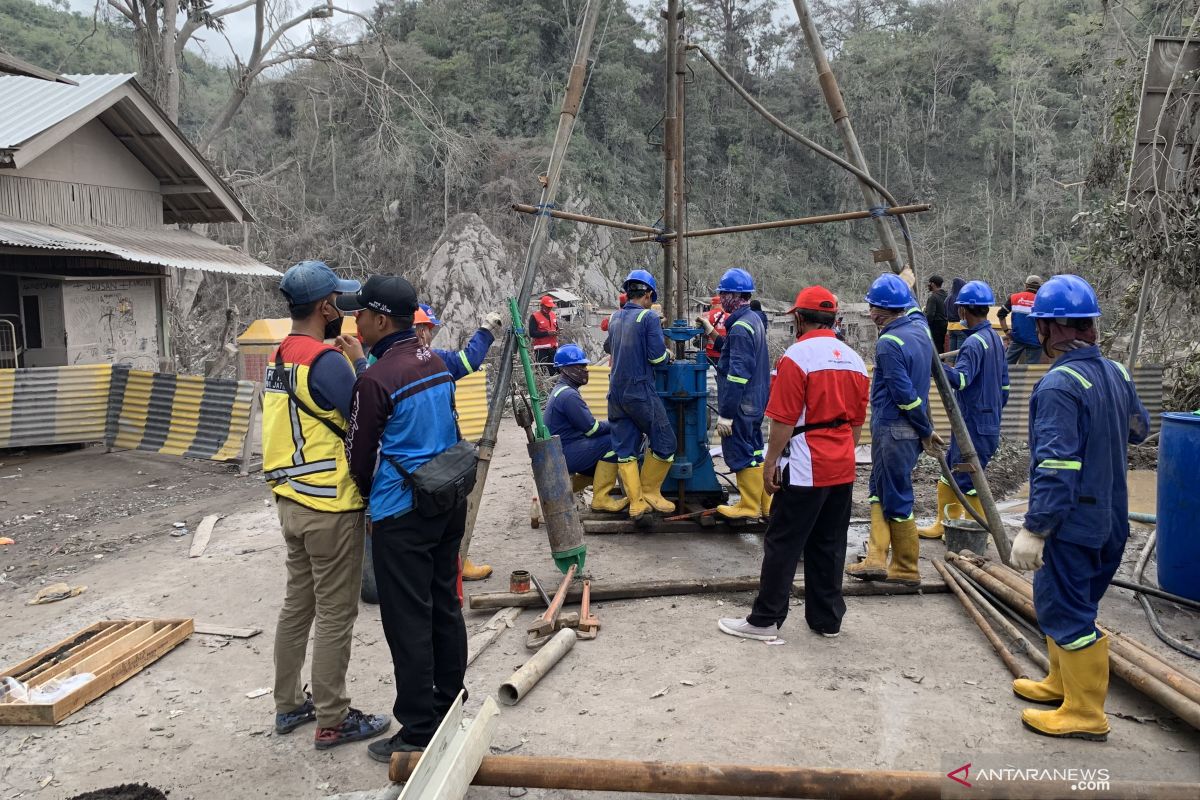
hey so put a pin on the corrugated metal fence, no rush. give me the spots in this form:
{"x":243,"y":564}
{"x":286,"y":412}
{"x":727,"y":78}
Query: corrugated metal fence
{"x":1014,"y":423}
{"x":158,"y":412}
{"x":471,"y":402}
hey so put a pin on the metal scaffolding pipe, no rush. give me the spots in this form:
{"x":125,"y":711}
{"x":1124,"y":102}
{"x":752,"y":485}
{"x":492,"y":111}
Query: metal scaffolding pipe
{"x":572,"y":99}
{"x":843,"y":216}
{"x":739,"y":780}
{"x":525,"y":208}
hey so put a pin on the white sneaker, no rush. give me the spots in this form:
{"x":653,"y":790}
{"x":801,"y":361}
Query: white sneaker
{"x":743,"y":628}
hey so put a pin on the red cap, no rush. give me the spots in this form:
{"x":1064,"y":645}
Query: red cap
{"x":815,"y":298}
{"x":547,"y":301}
{"x":716,"y":299}
{"x":624,"y":298}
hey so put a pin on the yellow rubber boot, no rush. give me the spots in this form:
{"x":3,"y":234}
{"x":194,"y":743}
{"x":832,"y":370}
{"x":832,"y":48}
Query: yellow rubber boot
{"x":764,"y":503}
{"x":654,"y":472}
{"x":603,"y":483}
{"x":631,"y":481}
{"x":906,"y":549}
{"x":1085,"y":685}
{"x":579,"y":482}
{"x":945,"y":496}
{"x":976,"y":504}
{"x":750,"y":492}
{"x":874,"y":566}
{"x":474,"y":572}
{"x":1049,"y":690}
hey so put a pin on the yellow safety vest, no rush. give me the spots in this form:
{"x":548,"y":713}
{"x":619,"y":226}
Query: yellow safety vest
{"x":303,"y":459}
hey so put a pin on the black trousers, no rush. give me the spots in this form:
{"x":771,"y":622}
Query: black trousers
{"x":416,"y":571}
{"x":809,"y":522}
{"x":937,"y":329}
{"x":544,"y":358}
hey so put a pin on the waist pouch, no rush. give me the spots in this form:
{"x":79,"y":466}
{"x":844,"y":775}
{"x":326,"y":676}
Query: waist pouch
{"x":444,"y":481}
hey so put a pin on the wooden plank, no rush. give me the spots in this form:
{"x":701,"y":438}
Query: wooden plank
{"x":25,"y":665}
{"x":500,"y":622}
{"x":206,"y":629}
{"x":171,"y":634}
{"x":126,"y":643}
{"x":203,"y":534}
{"x":98,"y":642}
{"x":449,"y":763}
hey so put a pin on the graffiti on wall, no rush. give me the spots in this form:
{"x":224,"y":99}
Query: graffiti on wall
{"x":113,"y":321}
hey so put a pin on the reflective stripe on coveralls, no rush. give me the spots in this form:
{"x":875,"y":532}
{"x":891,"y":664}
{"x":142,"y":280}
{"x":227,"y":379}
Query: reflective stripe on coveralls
{"x":980,"y":377}
{"x":743,"y":383}
{"x":634,"y":409}
{"x":585,"y":440}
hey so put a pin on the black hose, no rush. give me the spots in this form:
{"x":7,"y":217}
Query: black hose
{"x":1151,"y":615}
{"x":1156,"y":592}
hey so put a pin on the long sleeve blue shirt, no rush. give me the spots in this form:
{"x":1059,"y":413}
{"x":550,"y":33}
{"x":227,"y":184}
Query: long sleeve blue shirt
{"x":744,"y":368}
{"x":980,"y":376}
{"x":900,"y":385}
{"x":1082,"y":415}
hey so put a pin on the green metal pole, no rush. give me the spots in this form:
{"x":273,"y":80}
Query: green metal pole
{"x":540,"y":431}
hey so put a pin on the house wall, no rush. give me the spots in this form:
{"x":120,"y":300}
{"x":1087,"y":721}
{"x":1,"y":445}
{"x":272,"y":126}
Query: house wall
{"x":51,"y":323}
{"x":112,"y":320}
{"x":89,"y":178}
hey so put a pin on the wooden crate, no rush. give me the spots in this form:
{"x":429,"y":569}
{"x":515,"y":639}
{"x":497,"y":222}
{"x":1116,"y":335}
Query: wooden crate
{"x":114,"y":651}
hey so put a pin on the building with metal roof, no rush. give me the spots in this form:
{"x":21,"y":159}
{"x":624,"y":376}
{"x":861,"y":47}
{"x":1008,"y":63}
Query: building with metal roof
{"x":94,"y":183}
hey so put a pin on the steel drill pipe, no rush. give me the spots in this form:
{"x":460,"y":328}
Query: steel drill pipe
{"x":572,"y":99}
{"x":843,"y":216}
{"x":1013,"y":598}
{"x":633,"y":590}
{"x":521,"y":682}
{"x":988,"y":631}
{"x":525,"y":208}
{"x":738,"y":780}
{"x":1027,"y":647}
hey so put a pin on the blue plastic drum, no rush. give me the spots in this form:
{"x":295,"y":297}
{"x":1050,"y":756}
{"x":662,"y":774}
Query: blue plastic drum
{"x":1178,"y":547}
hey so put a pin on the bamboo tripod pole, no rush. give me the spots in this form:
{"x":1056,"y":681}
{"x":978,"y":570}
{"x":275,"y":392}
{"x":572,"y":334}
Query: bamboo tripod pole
{"x":572,"y":99}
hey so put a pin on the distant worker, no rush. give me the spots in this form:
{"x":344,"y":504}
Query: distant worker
{"x":306,"y":403}
{"x":586,"y":441}
{"x":604,"y":323}
{"x":756,"y":307}
{"x":1082,"y":415}
{"x":715,"y":316}
{"x":817,"y":408}
{"x":980,"y":378}
{"x":634,"y":408}
{"x":743,"y":383}
{"x":1024,"y":347}
{"x":543,"y":332}
{"x":900,"y":429}
{"x":954,"y":326}
{"x":935,"y":312}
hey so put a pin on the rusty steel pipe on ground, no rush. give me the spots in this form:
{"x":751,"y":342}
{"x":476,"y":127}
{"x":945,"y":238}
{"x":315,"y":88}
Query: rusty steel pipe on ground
{"x":739,"y":780}
{"x":1021,"y":644}
{"x":988,"y":631}
{"x":633,"y":590}
{"x":1143,"y":671}
{"x":843,"y":216}
{"x":525,"y":208}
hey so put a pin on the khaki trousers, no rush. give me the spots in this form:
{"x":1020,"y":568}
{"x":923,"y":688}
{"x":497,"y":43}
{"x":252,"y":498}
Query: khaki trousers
{"x":324,"y":566}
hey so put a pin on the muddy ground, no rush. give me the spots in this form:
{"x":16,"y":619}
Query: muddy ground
{"x":911,"y":684}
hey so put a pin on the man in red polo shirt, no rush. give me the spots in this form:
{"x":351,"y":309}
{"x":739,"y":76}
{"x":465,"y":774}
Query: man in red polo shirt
{"x":817,"y":407}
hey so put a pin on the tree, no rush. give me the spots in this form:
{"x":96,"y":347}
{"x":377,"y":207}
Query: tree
{"x":163,"y":28}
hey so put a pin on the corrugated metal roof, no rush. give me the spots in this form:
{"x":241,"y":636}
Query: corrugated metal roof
{"x":12,"y":64}
{"x":29,"y":106}
{"x":163,"y":247}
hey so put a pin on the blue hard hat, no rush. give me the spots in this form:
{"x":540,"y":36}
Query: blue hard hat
{"x":570,"y":354}
{"x":736,"y":280}
{"x":428,"y":309}
{"x":642,"y":276}
{"x":889,"y":291}
{"x":975,"y":293}
{"x":310,"y":281}
{"x":1067,"y":296}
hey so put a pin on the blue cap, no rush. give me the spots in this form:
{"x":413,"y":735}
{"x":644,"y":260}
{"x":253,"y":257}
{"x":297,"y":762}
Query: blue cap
{"x":433,"y":319}
{"x":310,"y":281}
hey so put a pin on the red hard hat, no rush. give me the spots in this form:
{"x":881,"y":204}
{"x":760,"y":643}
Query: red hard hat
{"x":547,"y":301}
{"x":815,"y":298}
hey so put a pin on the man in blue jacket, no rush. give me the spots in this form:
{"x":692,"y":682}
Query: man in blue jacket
{"x":980,"y":377}
{"x":402,"y":413}
{"x":636,"y":341}
{"x":586,"y":441}
{"x":900,"y":429}
{"x":743,"y":383}
{"x":1082,"y":415}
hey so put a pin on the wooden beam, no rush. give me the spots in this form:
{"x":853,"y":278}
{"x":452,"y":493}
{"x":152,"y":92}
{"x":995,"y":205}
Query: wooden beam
{"x":203,"y":534}
{"x":184,"y":188}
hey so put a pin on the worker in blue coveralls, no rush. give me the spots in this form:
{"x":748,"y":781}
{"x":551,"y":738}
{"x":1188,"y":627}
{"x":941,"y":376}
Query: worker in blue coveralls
{"x":636,"y":341}
{"x":980,"y":377}
{"x":586,"y":441}
{"x":1081,"y":417}
{"x":900,"y":429}
{"x":743,"y":383}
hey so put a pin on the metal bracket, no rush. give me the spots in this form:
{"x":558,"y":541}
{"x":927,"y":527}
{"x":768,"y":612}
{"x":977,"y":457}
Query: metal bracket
{"x":452,"y":758}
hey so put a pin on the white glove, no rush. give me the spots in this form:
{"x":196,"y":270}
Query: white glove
{"x":493,"y":321}
{"x":703,"y":322}
{"x":934,"y":445}
{"x":724,"y":427}
{"x":1027,"y":551}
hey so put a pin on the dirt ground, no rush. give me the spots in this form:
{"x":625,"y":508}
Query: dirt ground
{"x":911,"y":683}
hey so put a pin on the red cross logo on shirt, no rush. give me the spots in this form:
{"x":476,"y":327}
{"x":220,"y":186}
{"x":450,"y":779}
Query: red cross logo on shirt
{"x":837,"y":353}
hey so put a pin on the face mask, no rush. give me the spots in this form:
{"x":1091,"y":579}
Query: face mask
{"x":576,"y":373}
{"x":333,"y":328}
{"x":731,"y":302}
